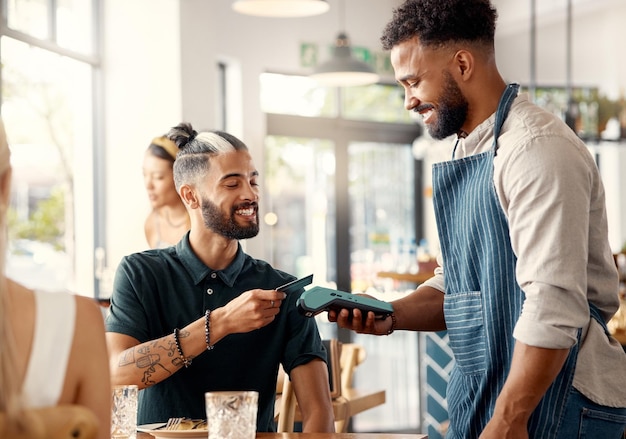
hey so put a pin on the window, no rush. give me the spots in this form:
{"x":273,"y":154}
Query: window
{"x":382,"y":212}
{"x":47,"y":108}
{"x":341,"y":187}
{"x":339,"y":168}
{"x":300,"y":187}
{"x":296,"y":95}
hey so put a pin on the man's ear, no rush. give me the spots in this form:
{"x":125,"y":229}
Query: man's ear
{"x":464,"y":64}
{"x":188,"y":195}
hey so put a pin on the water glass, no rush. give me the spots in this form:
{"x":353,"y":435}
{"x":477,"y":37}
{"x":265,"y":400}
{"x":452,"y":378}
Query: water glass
{"x":124,"y":412}
{"x":232,"y":414}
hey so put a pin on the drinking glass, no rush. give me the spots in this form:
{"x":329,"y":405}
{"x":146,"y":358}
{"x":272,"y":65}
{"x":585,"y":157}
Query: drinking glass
{"x":232,"y":414}
{"x":124,"y":412}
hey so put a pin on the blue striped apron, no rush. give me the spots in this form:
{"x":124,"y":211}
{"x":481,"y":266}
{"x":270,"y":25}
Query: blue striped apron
{"x":483,"y":300}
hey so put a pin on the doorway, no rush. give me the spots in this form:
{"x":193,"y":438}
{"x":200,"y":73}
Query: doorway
{"x":340,"y":194}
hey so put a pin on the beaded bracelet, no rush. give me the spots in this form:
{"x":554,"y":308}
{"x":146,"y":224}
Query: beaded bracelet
{"x":186,"y":361}
{"x":207,"y":330}
{"x":394,"y":322}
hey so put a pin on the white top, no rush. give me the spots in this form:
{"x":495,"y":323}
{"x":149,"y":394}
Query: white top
{"x":55,"y":317}
{"x":552,"y":195}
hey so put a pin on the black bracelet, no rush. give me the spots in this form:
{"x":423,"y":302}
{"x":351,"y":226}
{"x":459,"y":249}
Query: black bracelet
{"x":394,"y":322}
{"x":186,"y":361}
{"x":207,"y":330}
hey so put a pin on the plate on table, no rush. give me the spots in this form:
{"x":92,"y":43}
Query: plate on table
{"x":153,"y":429}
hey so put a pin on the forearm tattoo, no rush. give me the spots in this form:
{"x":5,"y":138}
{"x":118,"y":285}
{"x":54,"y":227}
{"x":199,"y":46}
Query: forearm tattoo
{"x":153,"y":357}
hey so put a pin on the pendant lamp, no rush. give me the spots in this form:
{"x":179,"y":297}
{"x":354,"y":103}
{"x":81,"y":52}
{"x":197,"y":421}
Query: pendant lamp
{"x":343,"y":69}
{"x":281,"y":8}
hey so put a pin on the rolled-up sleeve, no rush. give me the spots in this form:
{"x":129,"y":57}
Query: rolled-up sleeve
{"x":547,"y":196}
{"x":437,"y":281}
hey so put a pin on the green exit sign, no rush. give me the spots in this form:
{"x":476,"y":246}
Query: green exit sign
{"x":308,"y":55}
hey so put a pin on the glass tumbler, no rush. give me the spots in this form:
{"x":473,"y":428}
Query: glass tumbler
{"x":232,"y":414}
{"x":124,"y":412}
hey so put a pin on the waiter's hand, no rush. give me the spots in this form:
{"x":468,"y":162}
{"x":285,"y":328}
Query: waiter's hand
{"x":498,"y":428}
{"x":355,"y":320}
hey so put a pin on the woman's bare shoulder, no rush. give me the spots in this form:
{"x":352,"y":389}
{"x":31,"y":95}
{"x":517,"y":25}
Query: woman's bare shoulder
{"x":149,"y":227}
{"x":88,"y":313}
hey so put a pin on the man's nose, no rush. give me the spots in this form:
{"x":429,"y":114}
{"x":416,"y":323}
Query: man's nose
{"x":250,"y":193}
{"x":410,"y":101}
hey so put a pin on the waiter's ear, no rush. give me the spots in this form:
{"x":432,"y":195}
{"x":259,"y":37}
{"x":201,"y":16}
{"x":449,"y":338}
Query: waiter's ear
{"x":463,"y":64}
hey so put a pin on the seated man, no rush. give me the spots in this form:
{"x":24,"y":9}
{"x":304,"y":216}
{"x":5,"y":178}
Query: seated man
{"x":203,"y":315}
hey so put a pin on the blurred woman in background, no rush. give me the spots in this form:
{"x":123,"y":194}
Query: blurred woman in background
{"x":168,"y":221}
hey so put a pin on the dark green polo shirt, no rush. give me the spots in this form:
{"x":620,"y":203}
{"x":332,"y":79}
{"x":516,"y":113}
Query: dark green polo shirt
{"x":158,"y":290}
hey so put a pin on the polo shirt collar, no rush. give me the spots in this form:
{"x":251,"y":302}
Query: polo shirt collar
{"x":198,"y":271}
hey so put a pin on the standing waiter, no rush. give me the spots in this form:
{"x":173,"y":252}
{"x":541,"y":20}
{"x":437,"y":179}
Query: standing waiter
{"x":526,"y":281}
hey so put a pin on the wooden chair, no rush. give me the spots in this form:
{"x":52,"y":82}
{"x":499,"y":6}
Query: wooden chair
{"x":286,"y":412}
{"x":57,"y":422}
{"x":349,"y":355}
{"x":352,"y":355}
{"x":287,"y":405}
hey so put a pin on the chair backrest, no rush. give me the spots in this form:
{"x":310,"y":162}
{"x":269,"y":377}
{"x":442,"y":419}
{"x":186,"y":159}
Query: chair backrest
{"x":56,"y":422}
{"x":286,"y":405}
{"x":352,"y":355}
{"x":343,"y":360}
{"x":333,"y":348}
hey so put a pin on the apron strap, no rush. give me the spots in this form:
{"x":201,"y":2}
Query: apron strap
{"x":510,"y":92}
{"x":595,"y":313}
{"x":506,"y":100}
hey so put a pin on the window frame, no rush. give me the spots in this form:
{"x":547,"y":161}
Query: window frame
{"x":93,"y":60}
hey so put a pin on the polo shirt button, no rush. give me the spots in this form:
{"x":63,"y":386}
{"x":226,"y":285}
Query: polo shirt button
{"x":209,"y":291}
{"x":213,"y":275}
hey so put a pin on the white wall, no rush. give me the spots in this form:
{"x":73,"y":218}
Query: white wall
{"x":142,"y":93}
{"x":612,"y":161}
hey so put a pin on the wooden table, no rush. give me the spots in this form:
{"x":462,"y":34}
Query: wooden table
{"x":356,"y":401}
{"x":340,"y":436}
{"x":324,"y":436}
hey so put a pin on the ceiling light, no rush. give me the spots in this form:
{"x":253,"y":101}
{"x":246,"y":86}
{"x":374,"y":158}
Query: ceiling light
{"x":281,"y":8}
{"x":344,"y":70}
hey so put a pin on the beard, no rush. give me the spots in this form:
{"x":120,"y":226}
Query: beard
{"x":452,"y":110}
{"x":227,"y":226}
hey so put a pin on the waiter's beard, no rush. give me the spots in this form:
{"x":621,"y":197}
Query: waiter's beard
{"x":451,"y":112}
{"x":226,"y":225}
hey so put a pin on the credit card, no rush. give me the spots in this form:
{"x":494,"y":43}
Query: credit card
{"x":296,"y":285}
